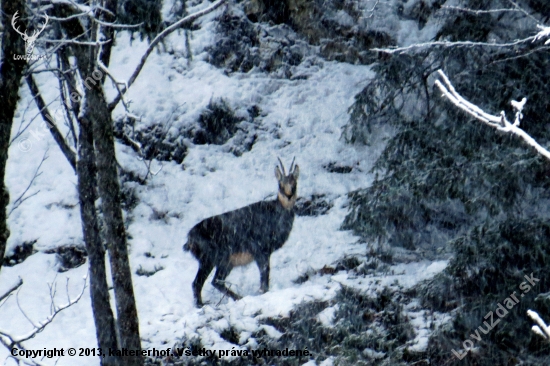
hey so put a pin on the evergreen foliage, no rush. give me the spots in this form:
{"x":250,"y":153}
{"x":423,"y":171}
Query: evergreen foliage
{"x":446,"y":182}
{"x":145,"y":12}
{"x":360,"y":325}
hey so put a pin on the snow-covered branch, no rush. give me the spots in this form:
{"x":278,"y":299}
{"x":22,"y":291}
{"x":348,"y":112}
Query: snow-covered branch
{"x":499,"y":122}
{"x":116,"y":82}
{"x":10,"y":341}
{"x":454,"y":44}
{"x":544,"y":33}
{"x":541,"y":329}
{"x":479,"y":12}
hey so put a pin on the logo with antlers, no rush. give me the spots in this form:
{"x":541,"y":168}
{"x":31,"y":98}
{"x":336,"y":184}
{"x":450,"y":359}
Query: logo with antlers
{"x":29,"y":40}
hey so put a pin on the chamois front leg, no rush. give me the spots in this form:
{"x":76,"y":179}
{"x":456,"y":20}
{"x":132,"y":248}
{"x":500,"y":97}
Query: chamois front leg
{"x":263,"y":266}
{"x":219,"y":281}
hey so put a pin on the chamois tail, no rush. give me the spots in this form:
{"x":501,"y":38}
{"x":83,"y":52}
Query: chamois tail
{"x":191,"y":246}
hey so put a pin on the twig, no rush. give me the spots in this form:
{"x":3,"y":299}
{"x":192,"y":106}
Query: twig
{"x":136,"y":146}
{"x":115,"y":82}
{"x":49,"y":319}
{"x":23,"y":311}
{"x":72,"y":41}
{"x":22,"y":129}
{"x":453,"y":44}
{"x":12,"y":289}
{"x":479,"y":12}
{"x":19,"y":200}
{"x":521,"y":10}
{"x":22,"y":360}
{"x":148,"y":166}
{"x":113,"y":25}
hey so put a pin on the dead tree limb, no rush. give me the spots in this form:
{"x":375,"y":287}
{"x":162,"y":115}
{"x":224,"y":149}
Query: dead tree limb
{"x":50,"y":121}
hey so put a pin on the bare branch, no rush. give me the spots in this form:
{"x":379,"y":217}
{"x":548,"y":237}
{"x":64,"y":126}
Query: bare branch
{"x":149,"y":171}
{"x":72,"y":41}
{"x":19,"y":200}
{"x":187,"y":20}
{"x":49,"y":120}
{"x":9,"y":341}
{"x":22,"y":128}
{"x":89,"y":13}
{"x":499,"y":122}
{"x":479,"y":12}
{"x":116,"y":82}
{"x":136,"y":146}
{"x":118,"y":26}
{"x":506,"y":59}
{"x":453,"y":44}
{"x":23,"y":312}
{"x":521,"y":10}
{"x":78,"y":7}
{"x":22,"y":360}
{"x":11,"y":290}
{"x":50,"y":318}
{"x":70,"y":17}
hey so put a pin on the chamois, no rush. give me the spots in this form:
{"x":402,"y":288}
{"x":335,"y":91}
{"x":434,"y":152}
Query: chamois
{"x":238,"y":237}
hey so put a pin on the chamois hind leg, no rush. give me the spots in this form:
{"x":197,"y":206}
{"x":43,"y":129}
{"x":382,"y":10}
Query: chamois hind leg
{"x":222,"y":271}
{"x":205,"y":267}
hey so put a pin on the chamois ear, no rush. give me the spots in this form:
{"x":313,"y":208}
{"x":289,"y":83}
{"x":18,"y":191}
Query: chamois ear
{"x":278,"y":174}
{"x":296,"y":172}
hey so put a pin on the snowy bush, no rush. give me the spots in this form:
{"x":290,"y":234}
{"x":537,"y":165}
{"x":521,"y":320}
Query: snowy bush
{"x":217,"y":124}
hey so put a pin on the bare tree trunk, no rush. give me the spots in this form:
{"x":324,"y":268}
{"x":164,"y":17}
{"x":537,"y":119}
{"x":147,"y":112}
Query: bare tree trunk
{"x":11,"y":72}
{"x":99,"y":291}
{"x":115,"y":234}
{"x":86,"y":173}
{"x":96,"y":111}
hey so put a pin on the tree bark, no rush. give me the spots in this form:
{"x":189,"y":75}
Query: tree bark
{"x":96,"y":111}
{"x":11,"y":72}
{"x":115,"y":234}
{"x":99,"y":291}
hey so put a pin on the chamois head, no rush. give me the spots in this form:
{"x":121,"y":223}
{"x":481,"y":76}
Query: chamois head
{"x":288,"y":184}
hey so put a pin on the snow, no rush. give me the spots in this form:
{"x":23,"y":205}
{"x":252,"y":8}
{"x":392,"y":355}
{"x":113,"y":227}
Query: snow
{"x":307,"y":114}
{"x":326,"y":317}
{"x":422,"y":321}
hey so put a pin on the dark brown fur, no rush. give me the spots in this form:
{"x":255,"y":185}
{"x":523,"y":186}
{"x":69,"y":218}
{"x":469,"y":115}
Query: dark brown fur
{"x":237,"y":237}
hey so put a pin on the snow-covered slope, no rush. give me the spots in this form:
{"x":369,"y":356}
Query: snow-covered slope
{"x":300,"y":118}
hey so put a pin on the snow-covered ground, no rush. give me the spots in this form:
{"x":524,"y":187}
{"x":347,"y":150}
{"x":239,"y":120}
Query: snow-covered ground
{"x":301,"y":118}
